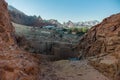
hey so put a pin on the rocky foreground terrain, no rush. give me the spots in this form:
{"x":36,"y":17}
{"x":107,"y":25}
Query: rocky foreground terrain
{"x":15,"y":64}
{"x":70,"y":70}
{"x":99,"y":51}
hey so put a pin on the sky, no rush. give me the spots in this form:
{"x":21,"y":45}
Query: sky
{"x":64,"y":10}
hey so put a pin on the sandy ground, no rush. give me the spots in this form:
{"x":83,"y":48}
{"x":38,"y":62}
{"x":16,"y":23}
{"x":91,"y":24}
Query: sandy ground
{"x":70,"y":70}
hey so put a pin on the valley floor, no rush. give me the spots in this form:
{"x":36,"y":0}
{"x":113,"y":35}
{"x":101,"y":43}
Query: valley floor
{"x":70,"y":70}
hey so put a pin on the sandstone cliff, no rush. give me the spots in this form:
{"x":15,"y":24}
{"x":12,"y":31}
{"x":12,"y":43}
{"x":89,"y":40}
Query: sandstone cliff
{"x":103,"y":42}
{"x":102,"y":38}
{"x":14,"y":63}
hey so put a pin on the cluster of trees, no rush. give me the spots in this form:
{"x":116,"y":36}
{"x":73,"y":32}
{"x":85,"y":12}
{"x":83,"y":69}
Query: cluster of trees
{"x":78,"y":31}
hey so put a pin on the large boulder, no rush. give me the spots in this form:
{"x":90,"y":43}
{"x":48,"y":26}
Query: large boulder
{"x":14,"y":63}
{"x":103,"y":42}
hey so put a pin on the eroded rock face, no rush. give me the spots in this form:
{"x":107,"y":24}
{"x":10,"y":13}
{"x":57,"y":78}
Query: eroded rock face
{"x":103,"y":41}
{"x":14,"y":63}
{"x":6,"y":28}
{"x":102,"y":38}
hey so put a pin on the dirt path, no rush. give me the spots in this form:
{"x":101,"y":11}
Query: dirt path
{"x":70,"y":70}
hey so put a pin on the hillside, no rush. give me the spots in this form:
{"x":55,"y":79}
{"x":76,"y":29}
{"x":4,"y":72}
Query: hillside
{"x":19,"y":17}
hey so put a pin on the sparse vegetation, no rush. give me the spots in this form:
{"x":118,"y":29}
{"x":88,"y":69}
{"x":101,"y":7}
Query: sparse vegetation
{"x":44,"y":38}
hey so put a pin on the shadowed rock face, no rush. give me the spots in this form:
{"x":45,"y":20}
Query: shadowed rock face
{"x":103,"y":41}
{"x":14,"y":63}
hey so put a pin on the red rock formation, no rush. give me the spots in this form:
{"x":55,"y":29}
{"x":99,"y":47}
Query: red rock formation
{"x":6,"y":28}
{"x":102,"y":38}
{"x":14,"y":63}
{"x":103,"y":41}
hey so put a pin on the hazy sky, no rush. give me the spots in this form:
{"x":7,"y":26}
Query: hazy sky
{"x":64,"y":10}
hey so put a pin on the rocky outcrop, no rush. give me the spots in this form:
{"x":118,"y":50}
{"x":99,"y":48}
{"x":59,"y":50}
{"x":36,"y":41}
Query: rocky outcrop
{"x":103,"y":42}
{"x":6,"y":29}
{"x":102,"y":38}
{"x":55,"y":22}
{"x":14,"y":63}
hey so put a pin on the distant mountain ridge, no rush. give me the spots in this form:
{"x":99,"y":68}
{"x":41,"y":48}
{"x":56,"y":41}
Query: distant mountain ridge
{"x":71,"y":24}
{"x":20,"y":17}
{"x":11,"y":8}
